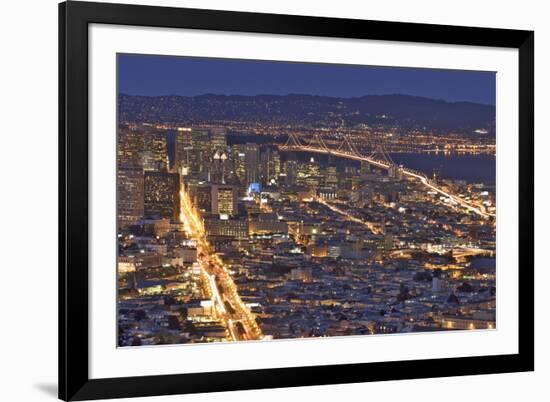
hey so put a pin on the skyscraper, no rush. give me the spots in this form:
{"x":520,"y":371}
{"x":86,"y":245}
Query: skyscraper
{"x":130,"y":148}
{"x":130,"y":196}
{"x":183,"y":148}
{"x":270,"y":165}
{"x":155,"y":150}
{"x":161,"y":195}
{"x":218,"y":167}
{"x":193,"y":151}
{"x":218,"y":139}
{"x":238,"y":156}
{"x":224,"y":199}
{"x":291,"y":171}
{"x":274,"y":166}
{"x":202,"y":196}
{"x":313,"y":168}
{"x":252,"y":163}
{"x":201,"y":156}
{"x":331,"y":178}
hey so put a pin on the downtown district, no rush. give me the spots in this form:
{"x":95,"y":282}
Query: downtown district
{"x":235,"y":241}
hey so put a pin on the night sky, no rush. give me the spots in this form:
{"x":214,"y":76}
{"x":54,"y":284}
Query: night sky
{"x":168,"y":75}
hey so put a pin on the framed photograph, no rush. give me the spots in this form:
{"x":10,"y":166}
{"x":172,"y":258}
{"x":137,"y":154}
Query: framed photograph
{"x":258,"y":201}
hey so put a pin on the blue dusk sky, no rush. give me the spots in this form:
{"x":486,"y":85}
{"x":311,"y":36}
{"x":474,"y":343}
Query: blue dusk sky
{"x":188,"y":76}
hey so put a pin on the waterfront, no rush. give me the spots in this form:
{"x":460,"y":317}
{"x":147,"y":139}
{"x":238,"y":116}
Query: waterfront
{"x":479,"y":168}
{"x":472,"y":168}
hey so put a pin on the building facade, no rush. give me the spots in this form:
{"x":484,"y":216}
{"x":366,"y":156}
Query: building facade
{"x":161,"y":195}
{"x":130,"y":195}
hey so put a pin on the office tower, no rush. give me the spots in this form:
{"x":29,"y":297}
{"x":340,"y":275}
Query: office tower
{"x":274,"y":166}
{"x":331,"y":179}
{"x":252,"y":163}
{"x":313,"y":168}
{"x":224,"y":199}
{"x":291,"y":171}
{"x":270,"y":165}
{"x":236,"y":228}
{"x":193,"y":151}
{"x":162,"y":197}
{"x":302,"y":173}
{"x":155,"y":150}
{"x":263,"y":168}
{"x":130,"y":195}
{"x":347,"y":177}
{"x":201,"y":155}
{"x":202,"y":197}
{"x":130,"y":148}
{"x":183,"y":147}
{"x":238,"y":153}
{"x":218,"y":139}
{"x":218,"y":168}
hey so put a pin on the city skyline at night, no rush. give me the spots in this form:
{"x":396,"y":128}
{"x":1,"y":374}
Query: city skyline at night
{"x":251,"y":214}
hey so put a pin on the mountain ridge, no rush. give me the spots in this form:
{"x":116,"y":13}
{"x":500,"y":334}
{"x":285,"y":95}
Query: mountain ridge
{"x":406,"y":111}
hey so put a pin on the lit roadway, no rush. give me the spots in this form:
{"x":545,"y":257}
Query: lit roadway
{"x":372,"y":227}
{"x":221,"y":284}
{"x":408,"y":172}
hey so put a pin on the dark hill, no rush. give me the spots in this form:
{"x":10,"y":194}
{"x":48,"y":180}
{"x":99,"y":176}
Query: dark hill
{"x":318,"y":111}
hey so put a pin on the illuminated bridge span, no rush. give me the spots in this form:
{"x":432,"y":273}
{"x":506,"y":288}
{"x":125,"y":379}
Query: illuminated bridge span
{"x":378,"y":158}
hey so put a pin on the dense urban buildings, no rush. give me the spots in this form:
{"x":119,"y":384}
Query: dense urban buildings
{"x":245,"y":223}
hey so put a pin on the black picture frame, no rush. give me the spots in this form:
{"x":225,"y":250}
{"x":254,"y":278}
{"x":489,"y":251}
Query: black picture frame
{"x":74,"y":381}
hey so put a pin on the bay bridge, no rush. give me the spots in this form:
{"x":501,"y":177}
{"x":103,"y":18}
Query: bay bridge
{"x":379,"y":158}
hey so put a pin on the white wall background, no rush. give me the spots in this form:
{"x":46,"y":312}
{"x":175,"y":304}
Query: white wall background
{"x":28,"y":198}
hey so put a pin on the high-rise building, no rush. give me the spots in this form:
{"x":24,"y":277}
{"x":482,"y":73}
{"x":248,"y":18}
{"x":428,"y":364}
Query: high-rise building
{"x":274,"y":166}
{"x":202,"y":197}
{"x":291,"y":171}
{"x":270,"y":165}
{"x":252,"y":163}
{"x":236,"y":228}
{"x":331,"y":178}
{"x":130,"y":196}
{"x":183,"y":148}
{"x":193,"y":151}
{"x":130,"y":148}
{"x":264,"y":162}
{"x":218,"y":139}
{"x":155,"y":150}
{"x":224,"y":199}
{"x":161,"y":195}
{"x":313,"y":167}
{"x":218,"y":167}
{"x":202,"y":151}
{"x":238,"y":153}
{"x":302,"y":173}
